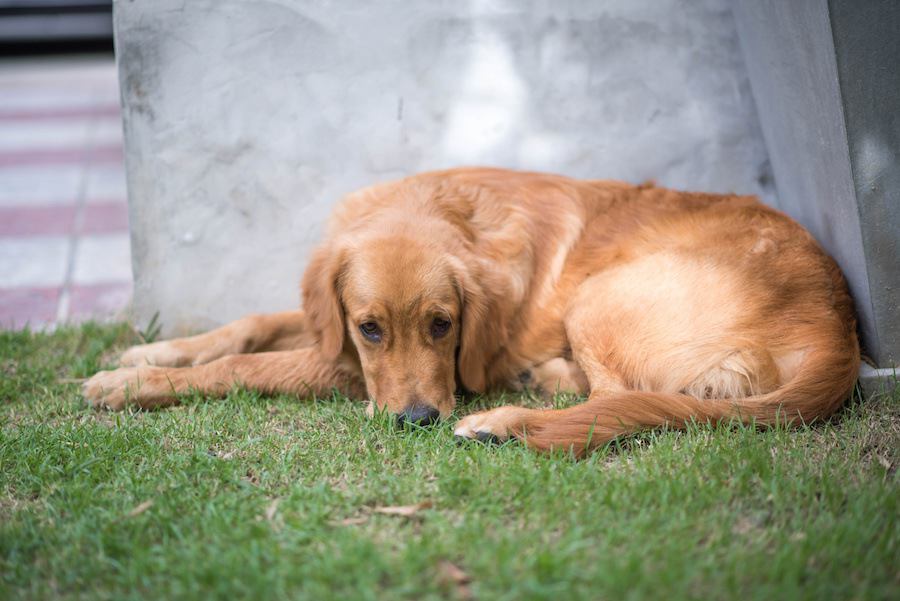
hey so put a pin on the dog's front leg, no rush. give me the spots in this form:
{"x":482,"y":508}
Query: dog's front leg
{"x":283,"y":331}
{"x":303,"y":372}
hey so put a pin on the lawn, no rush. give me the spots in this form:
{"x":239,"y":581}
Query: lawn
{"x":279,"y":498}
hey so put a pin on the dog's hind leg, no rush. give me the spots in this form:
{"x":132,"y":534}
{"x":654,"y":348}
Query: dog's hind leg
{"x":659,"y":343}
{"x":510,"y":421}
{"x":302,"y":372}
{"x":252,"y":334}
{"x":577,"y":427}
{"x":553,"y":376}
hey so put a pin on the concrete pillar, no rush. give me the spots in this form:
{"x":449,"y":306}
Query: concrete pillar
{"x":246,"y":121}
{"x":826,"y":79}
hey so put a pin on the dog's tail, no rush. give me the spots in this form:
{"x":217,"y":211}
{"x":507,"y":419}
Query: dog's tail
{"x":822,"y":383}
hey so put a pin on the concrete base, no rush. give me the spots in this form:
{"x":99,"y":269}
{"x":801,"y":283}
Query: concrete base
{"x":246,"y":121}
{"x":874,"y":381}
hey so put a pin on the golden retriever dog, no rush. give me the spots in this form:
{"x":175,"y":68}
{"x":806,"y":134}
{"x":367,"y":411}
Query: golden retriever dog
{"x":661,"y":306}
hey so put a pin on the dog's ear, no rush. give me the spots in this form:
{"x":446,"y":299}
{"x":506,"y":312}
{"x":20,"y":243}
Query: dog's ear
{"x":322,"y":297}
{"x":482,"y":333}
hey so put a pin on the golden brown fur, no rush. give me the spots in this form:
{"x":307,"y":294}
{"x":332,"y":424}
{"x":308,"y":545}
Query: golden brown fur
{"x":661,"y":306}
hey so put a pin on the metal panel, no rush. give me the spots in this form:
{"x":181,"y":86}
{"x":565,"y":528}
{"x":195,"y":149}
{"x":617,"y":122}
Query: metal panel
{"x":790,"y":55}
{"x":867,"y":49}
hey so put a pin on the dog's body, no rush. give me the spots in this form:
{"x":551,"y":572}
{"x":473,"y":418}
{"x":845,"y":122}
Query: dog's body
{"x":662,"y":306}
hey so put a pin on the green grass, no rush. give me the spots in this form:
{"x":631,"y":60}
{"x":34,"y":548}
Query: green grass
{"x":713,"y":513}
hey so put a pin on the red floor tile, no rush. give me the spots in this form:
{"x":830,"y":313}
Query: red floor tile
{"x":62,"y":113}
{"x":21,"y":306}
{"x":99,"y":300}
{"x":105,"y":218}
{"x":37,"y":221}
{"x":104,"y":154}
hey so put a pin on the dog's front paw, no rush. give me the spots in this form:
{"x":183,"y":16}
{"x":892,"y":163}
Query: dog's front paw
{"x":163,"y":353}
{"x":113,"y":389}
{"x":496,"y":425}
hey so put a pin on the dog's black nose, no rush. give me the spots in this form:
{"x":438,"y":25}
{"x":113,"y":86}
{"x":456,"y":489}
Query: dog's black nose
{"x":421,"y":415}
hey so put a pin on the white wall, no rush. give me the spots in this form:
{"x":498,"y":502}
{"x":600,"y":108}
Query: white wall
{"x":246,"y":120}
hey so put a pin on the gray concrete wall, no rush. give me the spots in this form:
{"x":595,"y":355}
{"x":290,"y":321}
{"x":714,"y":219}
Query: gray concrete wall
{"x":825,"y":77}
{"x":246,"y":121}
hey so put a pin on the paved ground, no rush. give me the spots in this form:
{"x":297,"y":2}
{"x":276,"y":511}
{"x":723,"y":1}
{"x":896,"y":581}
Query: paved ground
{"x":64,"y":247}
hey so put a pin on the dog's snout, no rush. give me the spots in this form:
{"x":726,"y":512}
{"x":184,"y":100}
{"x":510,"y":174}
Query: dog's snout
{"x":421,"y":415}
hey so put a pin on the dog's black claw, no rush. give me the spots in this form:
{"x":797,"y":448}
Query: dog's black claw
{"x":482,"y":437}
{"x":487,"y":438}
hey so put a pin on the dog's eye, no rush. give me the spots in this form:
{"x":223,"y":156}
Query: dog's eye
{"x":439,"y":327}
{"x":371,"y":331}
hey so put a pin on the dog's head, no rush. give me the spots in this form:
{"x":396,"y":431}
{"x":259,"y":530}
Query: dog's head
{"x":409,"y":307}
